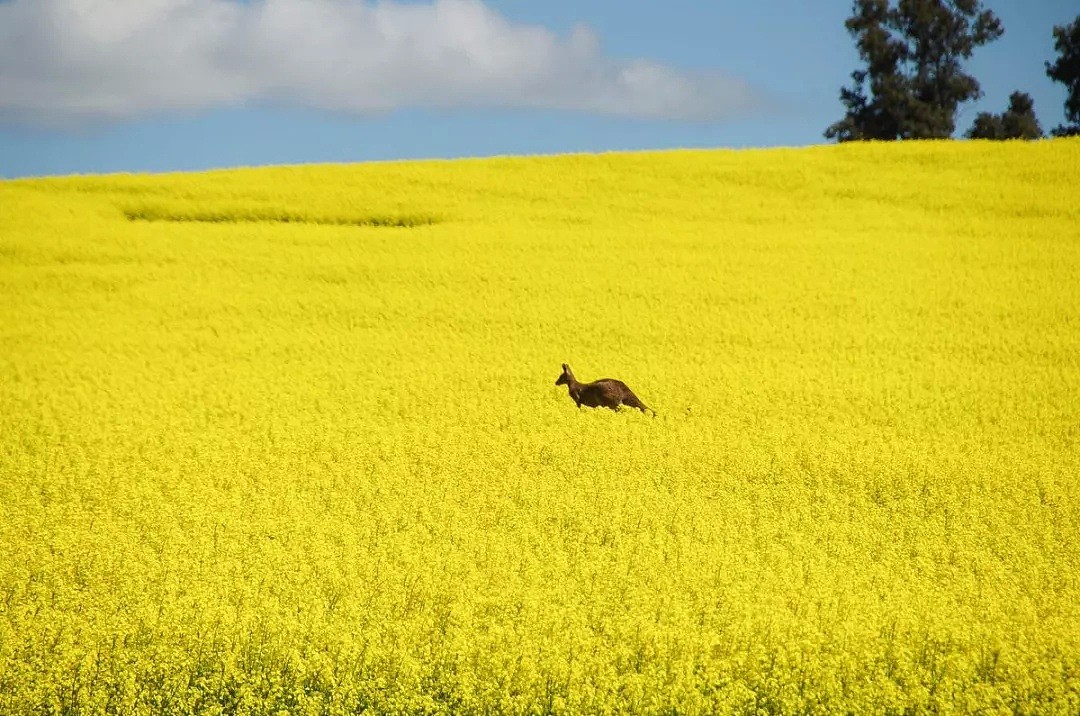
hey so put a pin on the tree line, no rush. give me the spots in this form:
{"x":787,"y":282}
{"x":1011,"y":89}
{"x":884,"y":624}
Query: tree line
{"x":913,"y":80}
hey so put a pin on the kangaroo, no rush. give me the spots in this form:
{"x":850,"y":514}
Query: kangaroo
{"x":606,"y":392}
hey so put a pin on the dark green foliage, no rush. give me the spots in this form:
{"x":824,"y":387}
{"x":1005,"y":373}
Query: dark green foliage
{"x":986,"y":126}
{"x":1018,"y":121}
{"x":913,"y":55}
{"x":1066,"y":70}
{"x":272,"y":215}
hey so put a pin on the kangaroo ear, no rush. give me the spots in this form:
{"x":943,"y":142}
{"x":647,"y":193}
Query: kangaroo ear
{"x":565,"y":367}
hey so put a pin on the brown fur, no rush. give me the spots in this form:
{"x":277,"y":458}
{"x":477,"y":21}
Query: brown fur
{"x":606,"y":392}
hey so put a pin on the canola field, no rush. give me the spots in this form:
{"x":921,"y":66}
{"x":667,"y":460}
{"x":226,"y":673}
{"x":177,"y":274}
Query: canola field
{"x":287,"y":440}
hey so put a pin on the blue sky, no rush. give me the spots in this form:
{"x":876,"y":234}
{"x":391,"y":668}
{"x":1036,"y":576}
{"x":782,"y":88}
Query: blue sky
{"x":89,"y":86}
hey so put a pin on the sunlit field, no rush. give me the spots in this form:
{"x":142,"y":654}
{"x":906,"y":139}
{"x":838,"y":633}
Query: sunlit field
{"x":289,"y":440}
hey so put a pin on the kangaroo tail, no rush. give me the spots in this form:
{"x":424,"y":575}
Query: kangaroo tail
{"x":635,"y":402}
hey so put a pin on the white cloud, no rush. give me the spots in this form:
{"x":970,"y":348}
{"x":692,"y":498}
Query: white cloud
{"x":67,"y":61}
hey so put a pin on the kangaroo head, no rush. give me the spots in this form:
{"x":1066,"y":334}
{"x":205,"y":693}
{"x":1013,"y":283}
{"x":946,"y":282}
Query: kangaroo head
{"x":566,"y":376}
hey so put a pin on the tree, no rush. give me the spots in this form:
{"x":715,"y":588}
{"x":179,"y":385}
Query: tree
{"x":913,"y":56}
{"x":1018,"y":121}
{"x":1067,"y":71}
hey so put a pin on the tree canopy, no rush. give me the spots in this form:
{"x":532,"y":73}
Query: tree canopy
{"x":1067,"y":71}
{"x":913,"y":79}
{"x":1018,"y":121}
